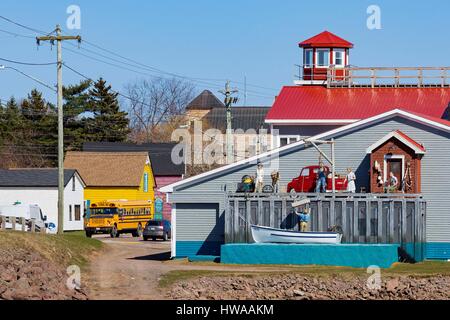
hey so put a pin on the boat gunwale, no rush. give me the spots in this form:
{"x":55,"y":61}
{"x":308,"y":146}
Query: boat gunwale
{"x":293,"y":231}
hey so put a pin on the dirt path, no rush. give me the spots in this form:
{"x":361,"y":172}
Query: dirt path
{"x":130,"y":268}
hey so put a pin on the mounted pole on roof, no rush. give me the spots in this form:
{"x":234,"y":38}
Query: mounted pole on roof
{"x":229,"y":100}
{"x":59,"y":38}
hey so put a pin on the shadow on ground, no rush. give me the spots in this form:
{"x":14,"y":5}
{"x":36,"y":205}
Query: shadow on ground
{"x":162,"y":256}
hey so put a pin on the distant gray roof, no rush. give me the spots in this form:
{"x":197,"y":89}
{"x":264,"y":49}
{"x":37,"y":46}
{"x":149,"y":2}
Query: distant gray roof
{"x":205,"y":100}
{"x":33,"y":177}
{"x":160,"y":154}
{"x":242,"y":118}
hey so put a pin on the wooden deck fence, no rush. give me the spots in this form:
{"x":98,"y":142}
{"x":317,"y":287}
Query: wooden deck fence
{"x":25,"y":224}
{"x":364,"y":218}
{"x":388,"y":76}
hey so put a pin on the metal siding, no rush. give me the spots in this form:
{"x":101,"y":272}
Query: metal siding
{"x":199,"y":222}
{"x":321,"y":103}
{"x":350,"y":152}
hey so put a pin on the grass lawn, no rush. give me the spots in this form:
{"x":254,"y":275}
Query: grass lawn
{"x":422,"y":269}
{"x":66,"y":249}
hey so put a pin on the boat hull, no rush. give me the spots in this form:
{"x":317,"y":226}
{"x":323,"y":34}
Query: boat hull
{"x":271,"y":235}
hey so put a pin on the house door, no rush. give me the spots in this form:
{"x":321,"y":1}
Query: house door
{"x":395,"y":166}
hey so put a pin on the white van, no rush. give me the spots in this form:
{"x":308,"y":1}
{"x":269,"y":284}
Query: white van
{"x":29,"y":212}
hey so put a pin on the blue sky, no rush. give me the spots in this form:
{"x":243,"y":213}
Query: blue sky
{"x":218,"y":40}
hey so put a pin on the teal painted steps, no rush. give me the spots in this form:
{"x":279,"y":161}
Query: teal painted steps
{"x":346,"y":255}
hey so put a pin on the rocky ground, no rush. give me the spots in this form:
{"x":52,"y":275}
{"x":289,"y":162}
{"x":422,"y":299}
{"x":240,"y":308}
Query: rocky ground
{"x":299,"y":287}
{"x":25,"y":274}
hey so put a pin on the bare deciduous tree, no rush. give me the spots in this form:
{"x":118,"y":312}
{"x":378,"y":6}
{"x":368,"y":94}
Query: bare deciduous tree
{"x":156,"y":107}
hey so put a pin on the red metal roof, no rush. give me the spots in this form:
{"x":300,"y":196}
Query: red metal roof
{"x":318,"y":103}
{"x":326,"y":39}
{"x":408,"y":138}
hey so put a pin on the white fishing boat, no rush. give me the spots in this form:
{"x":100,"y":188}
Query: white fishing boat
{"x":271,"y":235}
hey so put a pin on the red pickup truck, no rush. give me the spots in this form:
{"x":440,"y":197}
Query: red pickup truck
{"x":306,"y":182}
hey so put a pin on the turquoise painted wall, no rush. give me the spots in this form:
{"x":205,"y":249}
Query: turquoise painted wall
{"x":193,"y":248}
{"x":347,"y":255}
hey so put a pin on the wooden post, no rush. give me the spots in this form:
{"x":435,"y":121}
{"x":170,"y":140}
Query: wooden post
{"x":403,"y":223}
{"x":373,"y":77}
{"x":368,"y":216}
{"x":272,"y":213}
{"x":248,"y":218}
{"x":2,"y":223}
{"x":355,"y":213}
{"x":23,"y":223}
{"x":397,"y":77}
{"x":332,"y":221}
{"x":344,"y":219}
{"x":13,"y":223}
{"x":420,"y":77}
{"x":350,"y":78}
{"x":380,"y":221}
{"x":228,"y":228}
{"x":391,"y":221}
{"x":260,"y":212}
{"x":33,"y":226}
{"x":319,"y":215}
{"x":236,"y":237}
{"x":444,"y":77}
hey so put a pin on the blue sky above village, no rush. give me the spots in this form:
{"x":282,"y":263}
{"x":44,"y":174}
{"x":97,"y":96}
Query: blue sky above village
{"x":216,"y":40}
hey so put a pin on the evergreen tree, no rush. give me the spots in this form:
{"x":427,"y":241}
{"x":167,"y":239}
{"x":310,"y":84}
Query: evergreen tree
{"x":40,"y":129}
{"x":76,"y":106}
{"x":109,"y":123}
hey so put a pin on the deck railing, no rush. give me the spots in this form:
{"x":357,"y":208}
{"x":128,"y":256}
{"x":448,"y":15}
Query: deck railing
{"x":388,"y":77}
{"x":364,"y":218}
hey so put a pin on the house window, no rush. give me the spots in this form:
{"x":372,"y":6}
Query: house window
{"x":323,"y":57}
{"x":77,"y":212}
{"x":146,"y":182}
{"x":339,"y":55}
{"x":73,"y":184}
{"x":285,"y":140}
{"x":308,"y":58}
{"x":70,"y":212}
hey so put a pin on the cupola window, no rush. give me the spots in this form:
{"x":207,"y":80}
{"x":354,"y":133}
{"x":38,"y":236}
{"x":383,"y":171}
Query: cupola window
{"x":323,"y":57}
{"x":339,"y":55}
{"x":308,"y":55}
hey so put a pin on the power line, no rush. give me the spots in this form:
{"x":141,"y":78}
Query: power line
{"x":153,"y":69}
{"x":31,"y":77}
{"x":17,"y":34}
{"x":24,"y":26}
{"x":28,"y":63}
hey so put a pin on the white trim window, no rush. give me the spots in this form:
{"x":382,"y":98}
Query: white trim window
{"x":308,"y":58}
{"x":339,"y":57}
{"x":285,"y":140}
{"x":322,"y":58}
{"x":395,"y":157}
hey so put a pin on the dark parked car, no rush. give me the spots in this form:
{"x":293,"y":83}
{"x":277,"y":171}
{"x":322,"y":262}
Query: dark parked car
{"x":157,"y":229}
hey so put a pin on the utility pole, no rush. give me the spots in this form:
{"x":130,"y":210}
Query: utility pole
{"x":229,"y":100}
{"x":59,"y":38}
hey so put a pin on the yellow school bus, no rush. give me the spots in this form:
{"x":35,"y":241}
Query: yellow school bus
{"x":118,"y":216}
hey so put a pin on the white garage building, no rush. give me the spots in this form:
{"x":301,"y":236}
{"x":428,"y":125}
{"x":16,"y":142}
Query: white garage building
{"x":40,"y":186}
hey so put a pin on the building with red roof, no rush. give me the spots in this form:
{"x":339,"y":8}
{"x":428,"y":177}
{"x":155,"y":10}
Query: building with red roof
{"x":330,"y":93}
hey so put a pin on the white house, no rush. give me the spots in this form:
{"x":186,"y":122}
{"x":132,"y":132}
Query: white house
{"x":40,"y":186}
